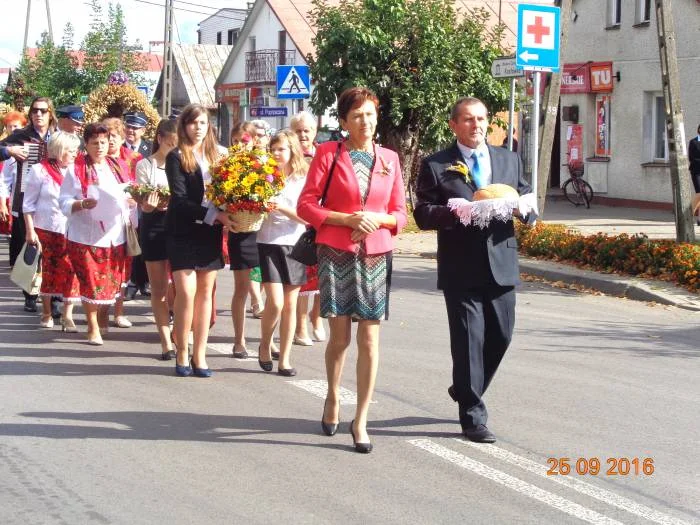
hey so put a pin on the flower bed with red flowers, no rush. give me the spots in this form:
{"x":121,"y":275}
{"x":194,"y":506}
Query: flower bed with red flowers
{"x":628,"y":254}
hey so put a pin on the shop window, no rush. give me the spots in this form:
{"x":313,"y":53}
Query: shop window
{"x":642,"y":12}
{"x":614,"y":14}
{"x":655,"y":147}
{"x":602,"y":129}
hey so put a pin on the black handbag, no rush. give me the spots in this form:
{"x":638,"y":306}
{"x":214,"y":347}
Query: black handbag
{"x":304,"y":250}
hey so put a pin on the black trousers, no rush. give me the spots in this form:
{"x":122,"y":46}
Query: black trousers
{"x":139,"y":275}
{"x":481,"y":322}
{"x":695,"y":177}
{"x":17,"y":237}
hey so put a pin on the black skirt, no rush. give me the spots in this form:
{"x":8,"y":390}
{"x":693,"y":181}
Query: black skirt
{"x":243,"y":250}
{"x":152,"y":236}
{"x":277,"y":267}
{"x":202,"y":250}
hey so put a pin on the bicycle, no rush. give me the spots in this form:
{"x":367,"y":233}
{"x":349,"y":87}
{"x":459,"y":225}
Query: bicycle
{"x":576,"y":190}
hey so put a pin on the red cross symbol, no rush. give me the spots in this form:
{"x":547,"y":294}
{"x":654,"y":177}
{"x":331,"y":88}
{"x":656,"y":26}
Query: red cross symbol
{"x":538,"y":30}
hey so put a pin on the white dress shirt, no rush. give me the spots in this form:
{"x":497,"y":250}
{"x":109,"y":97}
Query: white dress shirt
{"x":82,"y":227}
{"x":484,"y":160}
{"x":277,"y":228}
{"x":41,"y":199}
{"x":7,"y":181}
{"x":148,"y":172}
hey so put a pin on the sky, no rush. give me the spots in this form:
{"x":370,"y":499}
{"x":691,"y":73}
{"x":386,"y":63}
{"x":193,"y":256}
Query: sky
{"x":144,"y":21}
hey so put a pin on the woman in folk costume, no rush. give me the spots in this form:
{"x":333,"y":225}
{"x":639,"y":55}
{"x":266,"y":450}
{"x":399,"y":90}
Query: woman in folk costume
{"x":119,"y":152}
{"x":93,"y":199}
{"x":46,"y":225}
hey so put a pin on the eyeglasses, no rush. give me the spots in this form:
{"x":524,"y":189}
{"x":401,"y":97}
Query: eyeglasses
{"x":43,"y":111}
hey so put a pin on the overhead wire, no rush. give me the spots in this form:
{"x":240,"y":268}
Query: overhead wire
{"x":229,"y":16}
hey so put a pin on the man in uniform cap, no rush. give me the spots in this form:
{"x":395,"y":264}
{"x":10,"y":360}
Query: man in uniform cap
{"x":135,"y":123}
{"x":70,"y":119}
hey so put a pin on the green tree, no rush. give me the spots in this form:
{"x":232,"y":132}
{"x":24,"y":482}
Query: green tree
{"x":105,"y":48}
{"x":52,"y":72}
{"x":418,"y":56}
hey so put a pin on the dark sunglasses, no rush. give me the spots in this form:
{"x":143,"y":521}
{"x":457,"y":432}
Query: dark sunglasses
{"x":43,"y":111}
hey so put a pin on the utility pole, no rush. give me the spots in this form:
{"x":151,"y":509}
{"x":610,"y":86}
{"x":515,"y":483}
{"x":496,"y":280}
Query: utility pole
{"x":26,"y":28}
{"x":551,"y":107}
{"x":166,"y":101}
{"x":678,"y":157}
{"x":48,"y":18}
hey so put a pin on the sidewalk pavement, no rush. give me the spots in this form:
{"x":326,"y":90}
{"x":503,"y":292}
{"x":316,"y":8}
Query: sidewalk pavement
{"x":656,"y":224}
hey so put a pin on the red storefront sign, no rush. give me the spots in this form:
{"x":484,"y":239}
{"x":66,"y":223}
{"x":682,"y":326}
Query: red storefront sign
{"x":575,"y":78}
{"x":601,"y":77}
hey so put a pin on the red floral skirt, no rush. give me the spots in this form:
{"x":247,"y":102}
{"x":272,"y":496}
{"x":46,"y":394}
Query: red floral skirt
{"x":100,"y":271}
{"x":311,"y":286}
{"x":6,"y":226}
{"x":57,"y":276}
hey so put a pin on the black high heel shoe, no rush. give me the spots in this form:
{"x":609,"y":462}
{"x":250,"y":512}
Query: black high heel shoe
{"x":329,"y":429}
{"x":362,"y":448}
{"x":265,"y":365}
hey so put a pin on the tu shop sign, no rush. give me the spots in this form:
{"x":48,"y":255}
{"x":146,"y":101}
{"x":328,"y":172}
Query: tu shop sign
{"x":587,"y":77}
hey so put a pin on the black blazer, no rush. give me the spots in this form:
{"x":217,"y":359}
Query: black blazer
{"x":468,"y":257}
{"x":184,"y":219}
{"x":694,"y":156}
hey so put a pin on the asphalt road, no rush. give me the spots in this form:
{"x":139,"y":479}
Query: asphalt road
{"x":110,"y":435}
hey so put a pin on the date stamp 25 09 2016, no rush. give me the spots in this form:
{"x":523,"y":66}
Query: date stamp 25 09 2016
{"x":594,"y":466}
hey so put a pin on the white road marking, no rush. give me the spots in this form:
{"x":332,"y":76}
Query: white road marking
{"x":527,"y":489}
{"x":223,"y":348}
{"x":319,"y":387}
{"x":577,"y":484}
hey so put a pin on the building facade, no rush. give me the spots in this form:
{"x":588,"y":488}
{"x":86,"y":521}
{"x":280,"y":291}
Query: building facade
{"x":612,"y":107}
{"x":223,"y":27}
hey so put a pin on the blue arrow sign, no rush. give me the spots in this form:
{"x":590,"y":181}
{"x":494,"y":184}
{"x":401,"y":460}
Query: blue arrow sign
{"x":538,"y":38}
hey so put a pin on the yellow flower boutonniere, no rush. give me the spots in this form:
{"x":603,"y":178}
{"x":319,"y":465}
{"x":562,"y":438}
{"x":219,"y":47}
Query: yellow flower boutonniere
{"x":462,"y":169}
{"x":387,"y":167}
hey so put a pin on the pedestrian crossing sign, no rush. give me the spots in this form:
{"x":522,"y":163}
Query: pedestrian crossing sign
{"x":293,"y":81}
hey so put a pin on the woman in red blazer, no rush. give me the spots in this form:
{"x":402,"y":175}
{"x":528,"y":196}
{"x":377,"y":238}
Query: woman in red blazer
{"x":364,"y":209}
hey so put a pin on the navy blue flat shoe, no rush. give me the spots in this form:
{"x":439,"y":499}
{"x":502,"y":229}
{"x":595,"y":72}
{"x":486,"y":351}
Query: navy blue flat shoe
{"x":183,"y":371}
{"x":201,"y":372}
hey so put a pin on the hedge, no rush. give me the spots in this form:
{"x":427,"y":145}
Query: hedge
{"x":628,"y":254}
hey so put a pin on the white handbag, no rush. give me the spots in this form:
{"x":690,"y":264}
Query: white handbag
{"x":26,"y":273}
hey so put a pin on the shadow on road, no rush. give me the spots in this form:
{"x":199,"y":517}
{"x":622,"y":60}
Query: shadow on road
{"x":180,"y":426}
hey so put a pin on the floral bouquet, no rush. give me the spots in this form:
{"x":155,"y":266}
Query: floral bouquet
{"x":243,"y":183}
{"x":140,"y":192}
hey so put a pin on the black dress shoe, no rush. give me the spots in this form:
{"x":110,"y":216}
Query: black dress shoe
{"x":479,"y":434}
{"x":30,"y":304}
{"x":452,"y":393}
{"x":362,"y":448}
{"x":275,"y":355}
{"x":145,"y":290}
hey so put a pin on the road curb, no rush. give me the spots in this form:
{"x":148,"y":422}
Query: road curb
{"x":637,"y":289}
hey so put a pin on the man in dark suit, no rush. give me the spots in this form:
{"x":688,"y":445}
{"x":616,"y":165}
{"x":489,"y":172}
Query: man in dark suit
{"x":477,"y":268}
{"x":694,"y":161}
{"x":135,"y":126}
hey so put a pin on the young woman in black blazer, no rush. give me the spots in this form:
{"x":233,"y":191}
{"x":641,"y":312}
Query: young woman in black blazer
{"x":194,"y":235}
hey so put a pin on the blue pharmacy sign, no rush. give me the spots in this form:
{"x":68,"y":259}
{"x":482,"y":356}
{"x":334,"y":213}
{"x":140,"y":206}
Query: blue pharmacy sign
{"x":538,"y":38}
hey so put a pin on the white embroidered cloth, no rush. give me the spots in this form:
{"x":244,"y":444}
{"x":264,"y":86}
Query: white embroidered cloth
{"x":481,"y":213}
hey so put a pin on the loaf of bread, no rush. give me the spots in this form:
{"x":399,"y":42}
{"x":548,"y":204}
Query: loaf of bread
{"x":495,"y":191}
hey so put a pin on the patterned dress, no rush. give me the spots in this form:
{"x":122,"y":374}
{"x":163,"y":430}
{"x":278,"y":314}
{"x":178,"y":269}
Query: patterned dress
{"x":355,"y":284}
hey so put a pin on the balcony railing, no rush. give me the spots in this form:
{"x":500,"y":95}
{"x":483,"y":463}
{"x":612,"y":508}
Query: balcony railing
{"x":260,"y":66}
